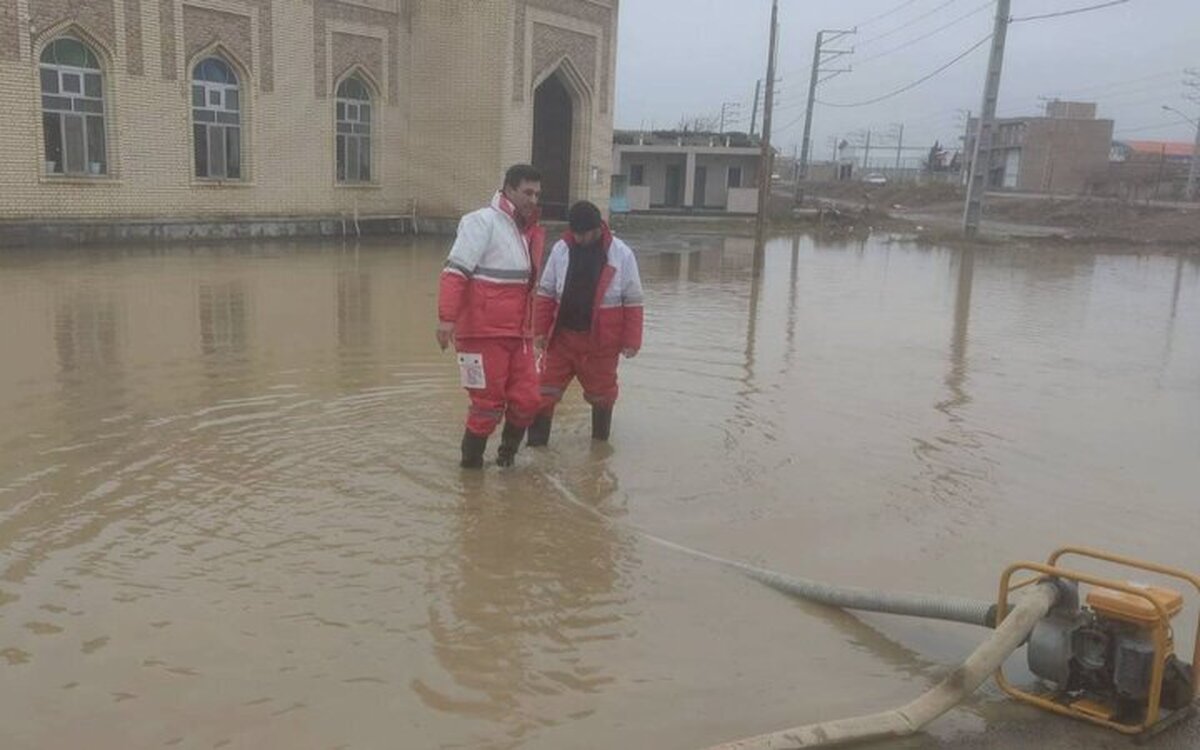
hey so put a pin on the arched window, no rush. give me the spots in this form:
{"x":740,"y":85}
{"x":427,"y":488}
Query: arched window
{"x":72,"y":109}
{"x":353,"y":131}
{"x":216,"y":120}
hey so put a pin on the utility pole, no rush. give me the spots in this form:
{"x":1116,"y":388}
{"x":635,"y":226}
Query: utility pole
{"x":1193,"y":82}
{"x":1194,"y":172}
{"x":754,"y":112}
{"x":1162,"y":163}
{"x":867,"y":152}
{"x":899,"y":145}
{"x":765,"y":161}
{"x":821,"y":56}
{"x":963,"y":162}
{"x":731,"y":108}
{"x":981,"y":160}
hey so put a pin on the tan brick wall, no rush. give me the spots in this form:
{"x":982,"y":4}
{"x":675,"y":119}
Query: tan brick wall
{"x":1064,"y":156}
{"x":204,"y":27}
{"x":135,"y":65}
{"x":601,"y":14}
{"x":445,"y":127}
{"x":561,"y":25}
{"x":97,"y":17}
{"x":551,"y":43}
{"x":458,"y":74}
{"x":351,"y":51}
{"x":385,"y":18}
{"x":9,"y":37}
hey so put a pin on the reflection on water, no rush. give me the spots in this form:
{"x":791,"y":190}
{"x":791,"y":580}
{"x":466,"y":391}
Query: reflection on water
{"x":527,"y":596}
{"x":223,"y":319}
{"x":353,"y":308}
{"x":230,"y":515}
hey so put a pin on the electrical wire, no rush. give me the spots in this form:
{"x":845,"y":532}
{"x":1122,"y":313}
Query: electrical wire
{"x":908,"y":23}
{"x":1071,"y":12}
{"x":885,"y":14}
{"x":1121,"y":83}
{"x":915,"y":83}
{"x":1160,"y":126}
{"x":923,"y":37}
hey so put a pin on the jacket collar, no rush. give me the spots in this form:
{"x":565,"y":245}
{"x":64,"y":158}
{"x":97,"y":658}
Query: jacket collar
{"x":505,"y":206}
{"x":606,"y":237}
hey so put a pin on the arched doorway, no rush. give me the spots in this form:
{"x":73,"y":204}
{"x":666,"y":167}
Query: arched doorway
{"x":553,"y":123}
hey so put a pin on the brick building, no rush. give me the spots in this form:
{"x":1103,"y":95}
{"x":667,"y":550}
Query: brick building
{"x":1064,"y":151}
{"x":283,"y":116}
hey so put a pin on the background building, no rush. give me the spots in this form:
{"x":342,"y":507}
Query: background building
{"x":165,"y":117}
{"x":688,"y":171}
{"x":1153,"y":170}
{"x":1064,"y":151}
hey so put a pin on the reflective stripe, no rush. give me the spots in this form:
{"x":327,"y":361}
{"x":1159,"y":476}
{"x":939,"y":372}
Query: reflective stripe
{"x":504,"y":273}
{"x":549,"y":390}
{"x":501,"y":282}
{"x":496,"y":413}
{"x":460,"y":268}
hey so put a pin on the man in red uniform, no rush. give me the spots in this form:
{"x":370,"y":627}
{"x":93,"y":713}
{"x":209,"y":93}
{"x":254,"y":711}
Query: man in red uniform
{"x":588,"y":313}
{"x":485,"y":308}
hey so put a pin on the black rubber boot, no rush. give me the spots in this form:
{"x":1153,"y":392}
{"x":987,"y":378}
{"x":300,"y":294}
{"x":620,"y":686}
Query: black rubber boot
{"x":472,"y":450}
{"x":510,"y":441}
{"x":601,"y":422}
{"x":539,"y":431}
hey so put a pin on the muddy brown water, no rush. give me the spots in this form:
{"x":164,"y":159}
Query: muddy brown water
{"x":230,"y":514}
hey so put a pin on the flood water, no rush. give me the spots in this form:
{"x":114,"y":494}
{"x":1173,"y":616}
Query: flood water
{"x":230,"y":512}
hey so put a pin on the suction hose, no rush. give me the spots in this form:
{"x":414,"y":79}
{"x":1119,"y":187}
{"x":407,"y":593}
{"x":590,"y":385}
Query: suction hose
{"x":937,"y":607}
{"x":951,"y":691}
{"x":907,"y":719}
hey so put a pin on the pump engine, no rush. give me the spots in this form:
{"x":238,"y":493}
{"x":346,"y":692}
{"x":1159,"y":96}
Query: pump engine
{"x":1100,"y":657}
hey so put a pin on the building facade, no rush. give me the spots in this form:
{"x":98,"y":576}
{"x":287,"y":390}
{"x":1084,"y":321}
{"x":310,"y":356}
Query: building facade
{"x":694,"y":172}
{"x":1065,"y":151}
{"x":244,"y":111}
{"x":1154,"y":170}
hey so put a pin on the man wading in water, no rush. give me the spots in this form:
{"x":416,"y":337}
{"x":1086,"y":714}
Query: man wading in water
{"x":485,"y":309}
{"x":589,"y":313}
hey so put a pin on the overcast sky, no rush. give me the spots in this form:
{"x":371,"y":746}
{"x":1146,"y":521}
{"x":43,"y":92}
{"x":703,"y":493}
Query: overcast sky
{"x":685,"y":57}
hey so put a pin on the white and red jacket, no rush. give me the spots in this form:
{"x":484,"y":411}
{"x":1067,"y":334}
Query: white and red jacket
{"x":486,"y":287}
{"x":617,"y":308}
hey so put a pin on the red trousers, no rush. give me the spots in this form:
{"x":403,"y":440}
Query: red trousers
{"x":511,"y":388}
{"x":571,"y":354}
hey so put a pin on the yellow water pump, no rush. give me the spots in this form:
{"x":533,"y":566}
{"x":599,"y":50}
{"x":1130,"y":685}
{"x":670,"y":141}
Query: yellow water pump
{"x":1110,"y":658}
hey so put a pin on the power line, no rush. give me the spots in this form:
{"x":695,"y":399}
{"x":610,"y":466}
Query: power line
{"x":886,"y":13}
{"x":1107,"y":93}
{"x":915,"y":83}
{"x":1118,"y":92}
{"x":928,"y":34}
{"x":908,"y":23}
{"x":1160,"y":126}
{"x":1121,"y":83}
{"x":1072,"y":12}
{"x":1116,"y":100}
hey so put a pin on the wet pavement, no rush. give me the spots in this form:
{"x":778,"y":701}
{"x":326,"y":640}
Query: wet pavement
{"x":230,"y":514}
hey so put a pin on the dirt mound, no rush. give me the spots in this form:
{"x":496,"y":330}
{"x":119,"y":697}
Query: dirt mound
{"x":909,"y":195}
{"x":1101,"y":218}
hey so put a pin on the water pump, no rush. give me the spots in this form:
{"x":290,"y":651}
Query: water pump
{"x":1109,"y":659}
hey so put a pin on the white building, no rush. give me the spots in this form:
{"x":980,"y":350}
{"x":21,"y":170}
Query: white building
{"x":686,"y":172}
